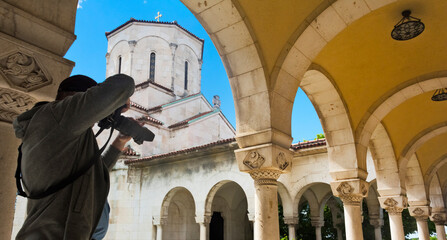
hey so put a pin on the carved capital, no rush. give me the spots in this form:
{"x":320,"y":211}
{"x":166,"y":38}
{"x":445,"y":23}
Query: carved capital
{"x":13,"y":103}
{"x":206,"y":219}
{"x":376,"y":222}
{"x":265,"y":177}
{"x":351,"y":192}
{"x":421,"y":213}
{"x":157,"y":220}
{"x":254,"y":160}
{"x":266,"y":156}
{"x":439,"y":218}
{"x":291,"y":220}
{"x":394,"y":205}
{"x":317,"y":222}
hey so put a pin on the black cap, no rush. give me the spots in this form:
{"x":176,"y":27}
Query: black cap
{"x":76,"y":83}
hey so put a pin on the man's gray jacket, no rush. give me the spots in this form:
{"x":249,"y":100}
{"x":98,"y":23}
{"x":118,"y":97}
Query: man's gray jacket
{"x":58,"y":141}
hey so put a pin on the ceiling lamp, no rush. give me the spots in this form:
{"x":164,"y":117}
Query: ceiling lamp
{"x":408,"y":27}
{"x":440,"y":95}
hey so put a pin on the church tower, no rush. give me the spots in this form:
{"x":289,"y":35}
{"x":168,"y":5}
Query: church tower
{"x":165,"y":61}
{"x":163,"y":57}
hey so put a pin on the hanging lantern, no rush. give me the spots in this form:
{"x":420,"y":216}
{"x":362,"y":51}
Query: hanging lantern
{"x":407,"y":28}
{"x":440,"y":95}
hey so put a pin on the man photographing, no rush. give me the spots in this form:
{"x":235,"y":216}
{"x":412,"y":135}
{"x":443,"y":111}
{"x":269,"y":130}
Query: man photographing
{"x":63,"y":174}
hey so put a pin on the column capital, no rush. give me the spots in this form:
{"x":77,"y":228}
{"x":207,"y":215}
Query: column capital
{"x":157,"y":220}
{"x":439,"y":218}
{"x":266,"y":157}
{"x":291,"y":220}
{"x":421,"y":213}
{"x":351,"y":191}
{"x":394,"y":205}
{"x":317,"y":222}
{"x":205,"y":219}
{"x":376,"y":222}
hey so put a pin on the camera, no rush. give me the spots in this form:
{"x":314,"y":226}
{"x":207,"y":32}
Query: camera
{"x":127,"y":126}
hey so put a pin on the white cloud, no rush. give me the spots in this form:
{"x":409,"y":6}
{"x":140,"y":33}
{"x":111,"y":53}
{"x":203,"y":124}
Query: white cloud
{"x":145,"y":1}
{"x":80,"y":2}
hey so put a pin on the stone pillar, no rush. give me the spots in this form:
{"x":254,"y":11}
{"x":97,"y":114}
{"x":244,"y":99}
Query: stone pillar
{"x":317,"y":223}
{"x":351,"y":192}
{"x":173,"y":47}
{"x":265,"y":163}
{"x":339,"y":233}
{"x":421,"y":213}
{"x":377,"y":223}
{"x":439,"y":218}
{"x":291,"y":223}
{"x":159,"y":222}
{"x":8,"y":164}
{"x":394,"y":205}
{"x":204,"y":223}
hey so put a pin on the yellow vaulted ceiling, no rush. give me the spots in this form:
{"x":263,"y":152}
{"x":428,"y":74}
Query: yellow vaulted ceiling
{"x":413,"y":117}
{"x":366,"y":63}
{"x":274,"y":22}
{"x":431,"y":152}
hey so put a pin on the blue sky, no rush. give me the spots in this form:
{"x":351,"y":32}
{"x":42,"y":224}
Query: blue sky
{"x":95,"y":17}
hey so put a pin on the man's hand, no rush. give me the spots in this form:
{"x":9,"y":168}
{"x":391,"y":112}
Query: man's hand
{"x":121,"y":140}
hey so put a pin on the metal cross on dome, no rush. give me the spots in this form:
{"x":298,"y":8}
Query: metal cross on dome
{"x":158,"y":16}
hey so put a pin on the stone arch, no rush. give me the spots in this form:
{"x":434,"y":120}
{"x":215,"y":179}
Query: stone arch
{"x":322,"y":25}
{"x":385,"y":163}
{"x":286,"y":201}
{"x":334,"y":118}
{"x":313,"y":202}
{"x":372,"y":201}
{"x":414,"y":182}
{"x":211,"y":186}
{"x":243,"y":62}
{"x":311,"y":197}
{"x":432,"y":171}
{"x":435,"y":195}
{"x":394,"y":98}
{"x":168,"y":198}
{"x":414,"y":145}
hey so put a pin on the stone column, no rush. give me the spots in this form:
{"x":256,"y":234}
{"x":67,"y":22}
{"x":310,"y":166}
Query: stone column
{"x":351,"y":192}
{"x":265,"y":163}
{"x":317,"y":223}
{"x":421,"y":213}
{"x":173,"y":47}
{"x":377,"y":223}
{"x":439,"y":219}
{"x":159,"y":222}
{"x":204,"y":223}
{"x":394,"y":205}
{"x":291,"y":223}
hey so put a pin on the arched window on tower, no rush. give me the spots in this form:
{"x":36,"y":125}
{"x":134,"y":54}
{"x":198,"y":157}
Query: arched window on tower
{"x":186,"y":75}
{"x":152,"y":68}
{"x":119,"y":64}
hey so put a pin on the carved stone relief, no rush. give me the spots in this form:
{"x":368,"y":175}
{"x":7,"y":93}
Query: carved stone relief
{"x":23,"y":71}
{"x":418,"y":212}
{"x":392,"y":206}
{"x":13,"y":103}
{"x":265,"y":177}
{"x":438,"y":219}
{"x":254,"y":160}
{"x":282,"y":161}
{"x":347,"y":195}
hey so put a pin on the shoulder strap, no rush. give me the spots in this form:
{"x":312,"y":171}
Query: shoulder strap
{"x":60,"y":185}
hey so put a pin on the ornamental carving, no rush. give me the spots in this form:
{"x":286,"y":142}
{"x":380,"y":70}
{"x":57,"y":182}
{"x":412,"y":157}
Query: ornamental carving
{"x":254,"y":160}
{"x":282,"y":161}
{"x":22,"y":71}
{"x":392,"y":206}
{"x":418,"y":211}
{"x":265,"y":177}
{"x":345,"y":189}
{"x":390,"y":202}
{"x":438,"y":218}
{"x":13,"y":103}
{"x":364,"y":189}
{"x":347,"y":194}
